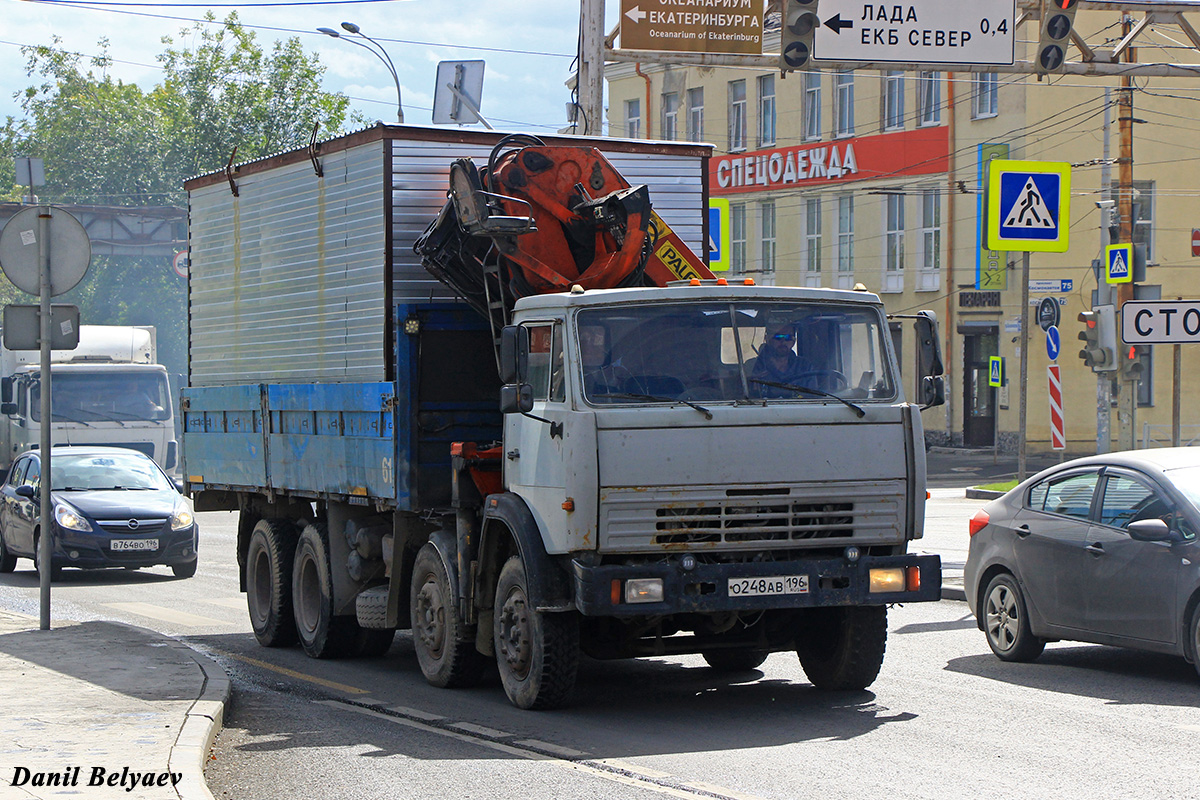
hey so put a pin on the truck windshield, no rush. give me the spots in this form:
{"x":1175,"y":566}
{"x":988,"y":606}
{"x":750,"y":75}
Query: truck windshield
{"x":106,"y":397}
{"x":743,"y":351}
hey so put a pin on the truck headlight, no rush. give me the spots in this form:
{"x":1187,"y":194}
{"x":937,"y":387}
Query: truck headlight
{"x":69,"y":518}
{"x":644,"y":590}
{"x":887,"y":580}
{"x":181,"y":518}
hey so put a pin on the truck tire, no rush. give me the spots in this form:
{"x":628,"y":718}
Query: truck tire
{"x":8,"y":562}
{"x":734,"y":660}
{"x":370,"y":607}
{"x":1006,"y":621}
{"x":537,"y":653}
{"x":321,"y":634}
{"x":842,"y":648}
{"x":269,"y":582}
{"x":446,"y":652}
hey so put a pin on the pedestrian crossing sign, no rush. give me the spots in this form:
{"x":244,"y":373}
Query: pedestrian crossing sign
{"x":996,"y":371}
{"x":1118,"y":260}
{"x":1028,"y":205}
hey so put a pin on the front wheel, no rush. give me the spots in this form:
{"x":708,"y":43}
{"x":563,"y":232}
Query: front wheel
{"x":8,"y":562}
{"x":186,"y":570}
{"x":537,"y":654}
{"x":842,"y":648}
{"x":446,"y":654}
{"x":1195,"y":639}
{"x":1006,"y":621}
{"x":55,"y":570}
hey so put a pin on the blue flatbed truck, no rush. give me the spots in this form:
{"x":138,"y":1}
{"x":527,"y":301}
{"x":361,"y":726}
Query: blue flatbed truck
{"x":682,"y":506}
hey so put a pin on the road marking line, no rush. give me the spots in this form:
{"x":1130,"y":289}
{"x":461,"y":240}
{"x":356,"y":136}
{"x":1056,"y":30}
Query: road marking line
{"x":480,"y":730}
{"x":573,"y":766}
{"x":168,"y":615}
{"x":418,"y":713}
{"x":721,"y":790}
{"x":228,"y":602}
{"x":557,"y":750}
{"x":291,"y":673}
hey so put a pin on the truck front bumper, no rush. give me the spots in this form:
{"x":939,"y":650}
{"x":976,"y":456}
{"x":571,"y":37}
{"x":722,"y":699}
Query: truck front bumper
{"x":801,"y":583}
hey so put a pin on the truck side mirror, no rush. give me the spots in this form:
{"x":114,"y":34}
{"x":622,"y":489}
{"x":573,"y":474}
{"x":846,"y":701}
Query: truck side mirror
{"x":6,"y":392}
{"x":933,"y":391}
{"x":516,"y":398}
{"x":929,"y":349}
{"x":514,"y":354}
{"x":8,"y":409}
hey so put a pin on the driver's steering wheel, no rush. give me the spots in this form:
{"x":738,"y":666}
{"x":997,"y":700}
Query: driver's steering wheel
{"x":838,"y":380}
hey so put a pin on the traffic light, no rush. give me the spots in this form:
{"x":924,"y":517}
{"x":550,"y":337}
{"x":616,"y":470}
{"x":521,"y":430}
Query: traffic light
{"x":1058,"y":16}
{"x":799,"y":26}
{"x":1134,"y":362}
{"x":1100,"y":335}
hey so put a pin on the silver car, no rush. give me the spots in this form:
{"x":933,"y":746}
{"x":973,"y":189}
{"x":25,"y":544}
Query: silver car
{"x":1101,"y":549}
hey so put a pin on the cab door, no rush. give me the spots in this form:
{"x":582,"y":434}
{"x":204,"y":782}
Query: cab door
{"x":534,"y":465}
{"x":1131,"y":586}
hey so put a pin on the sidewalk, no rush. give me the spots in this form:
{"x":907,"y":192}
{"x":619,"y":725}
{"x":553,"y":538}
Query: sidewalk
{"x":96,"y":709}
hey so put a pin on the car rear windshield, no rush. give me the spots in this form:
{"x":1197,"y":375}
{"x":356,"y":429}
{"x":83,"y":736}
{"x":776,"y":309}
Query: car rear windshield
{"x":115,"y":471}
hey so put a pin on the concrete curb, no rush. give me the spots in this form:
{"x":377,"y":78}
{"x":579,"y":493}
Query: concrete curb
{"x":204,"y":719}
{"x":954,"y":593}
{"x":983,"y":494}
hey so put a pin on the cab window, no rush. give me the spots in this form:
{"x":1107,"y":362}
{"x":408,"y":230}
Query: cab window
{"x":546,"y":362}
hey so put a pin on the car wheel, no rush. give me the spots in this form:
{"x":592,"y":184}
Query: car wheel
{"x":8,"y":562}
{"x":186,"y":570}
{"x":1196,"y":639}
{"x":269,"y":582}
{"x":1006,"y":621}
{"x":55,"y":571}
{"x":445,"y":652}
{"x":537,"y":653}
{"x":734,"y":660}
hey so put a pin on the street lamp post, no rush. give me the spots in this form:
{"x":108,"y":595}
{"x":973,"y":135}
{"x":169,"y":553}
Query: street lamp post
{"x":379,"y":53}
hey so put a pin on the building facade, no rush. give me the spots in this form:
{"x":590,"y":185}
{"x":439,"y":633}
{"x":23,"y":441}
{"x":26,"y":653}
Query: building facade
{"x":838,"y":178}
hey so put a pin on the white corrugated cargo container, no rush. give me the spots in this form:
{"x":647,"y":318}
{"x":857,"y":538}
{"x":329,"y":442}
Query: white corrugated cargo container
{"x":293,"y":273}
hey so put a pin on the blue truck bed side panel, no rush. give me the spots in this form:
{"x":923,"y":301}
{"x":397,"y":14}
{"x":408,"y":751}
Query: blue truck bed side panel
{"x":223,"y":431}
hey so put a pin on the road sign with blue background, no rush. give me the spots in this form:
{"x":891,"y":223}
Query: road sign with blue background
{"x":1053,"y":343}
{"x":995,"y":371}
{"x":718,"y":234}
{"x":1029,"y":205}
{"x":1118,"y":263}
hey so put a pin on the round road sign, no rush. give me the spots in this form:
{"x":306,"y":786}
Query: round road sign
{"x":1048,"y":313}
{"x":1053,"y":343}
{"x":181,"y":263}
{"x":1196,"y":241}
{"x":20,"y":251}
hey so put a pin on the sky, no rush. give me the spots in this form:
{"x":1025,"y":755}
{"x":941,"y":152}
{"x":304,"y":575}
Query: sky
{"x":529,"y":46}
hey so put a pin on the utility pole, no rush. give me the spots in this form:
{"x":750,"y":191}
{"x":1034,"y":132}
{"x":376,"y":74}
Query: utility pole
{"x":1103,"y":290}
{"x":1127,"y":390}
{"x":589,"y":82}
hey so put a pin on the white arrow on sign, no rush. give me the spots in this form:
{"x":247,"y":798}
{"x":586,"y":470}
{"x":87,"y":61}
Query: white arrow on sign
{"x":636,"y":14}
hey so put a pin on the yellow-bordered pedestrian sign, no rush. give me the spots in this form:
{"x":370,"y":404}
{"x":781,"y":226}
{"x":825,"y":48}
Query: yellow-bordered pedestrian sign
{"x":1118,"y":263}
{"x":1028,"y":205}
{"x":996,"y":371}
{"x":719,"y":235}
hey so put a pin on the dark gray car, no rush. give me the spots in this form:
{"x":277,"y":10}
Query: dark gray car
{"x":1101,"y":549}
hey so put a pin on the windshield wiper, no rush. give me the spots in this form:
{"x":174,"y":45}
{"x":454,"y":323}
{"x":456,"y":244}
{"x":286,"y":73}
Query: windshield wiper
{"x":809,"y":390}
{"x":66,"y":418}
{"x":656,"y":398}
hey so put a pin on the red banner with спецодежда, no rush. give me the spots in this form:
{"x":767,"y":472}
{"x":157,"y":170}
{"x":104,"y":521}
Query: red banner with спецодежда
{"x":924,"y":151}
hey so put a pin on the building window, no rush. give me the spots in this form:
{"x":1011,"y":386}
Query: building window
{"x":893,"y":254}
{"x":812,"y":241}
{"x":767,"y":220}
{"x":812,"y":106}
{"x":766,"y":111}
{"x":695,"y":111}
{"x":633,"y":119}
{"x":893,"y":100}
{"x":931,"y":240}
{"x":670,"y":120}
{"x":986,"y":100}
{"x":737,"y":238}
{"x":737,"y":115}
{"x":843,"y":101}
{"x":845,"y":242}
{"x":929,"y":98}
{"x":1143,"y":221}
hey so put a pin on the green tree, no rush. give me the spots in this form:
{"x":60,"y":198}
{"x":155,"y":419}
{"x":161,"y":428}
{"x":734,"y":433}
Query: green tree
{"x":105,"y":142}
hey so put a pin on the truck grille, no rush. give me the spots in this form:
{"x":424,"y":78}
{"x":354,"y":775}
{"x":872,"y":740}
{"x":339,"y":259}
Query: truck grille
{"x":733,"y":518}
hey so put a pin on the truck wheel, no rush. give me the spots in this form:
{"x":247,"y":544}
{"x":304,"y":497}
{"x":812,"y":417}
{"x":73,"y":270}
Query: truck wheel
{"x":1006,"y":621}
{"x":321,"y":634}
{"x":842,"y":648}
{"x":447,"y":654}
{"x":8,"y":562}
{"x":734,"y":660}
{"x":538,"y":654}
{"x":269,"y":582}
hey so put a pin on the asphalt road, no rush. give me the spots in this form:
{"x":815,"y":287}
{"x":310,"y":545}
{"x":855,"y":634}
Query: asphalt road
{"x":944,"y":719}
